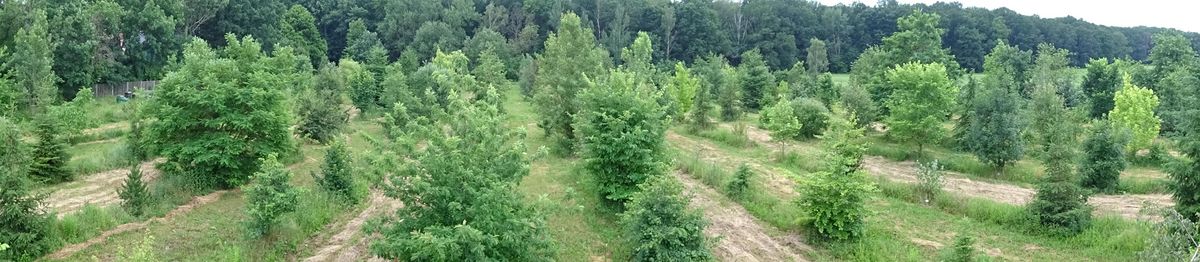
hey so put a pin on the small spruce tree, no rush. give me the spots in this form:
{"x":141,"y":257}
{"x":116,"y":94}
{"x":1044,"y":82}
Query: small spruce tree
{"x":134,"y":194}
{"x":50,"y":155}
{"x":740,"y":183}
{"x":963,"y":249}
{"x":25,"y":226}
{"x":1060,"y":203}
{"x":336,"y":177}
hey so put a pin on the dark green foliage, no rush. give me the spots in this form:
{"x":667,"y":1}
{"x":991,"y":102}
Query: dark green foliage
{"x":1174,"y":239}
{"x":298,"y":29}
{"x":729,"y":94}
{"x":364,"y":91}
{"x":919,"y":40}
{"x":49,"y":155}
{"x":756,"y":79}
{"x":527,"y":75}
{"x":30,"y":65}
{"x":697,"y":31}
{"x":1099,"y":86}
{"x":321,"y":114}
{"x":812,"y":115}
{"x":1060,"y":204}
{"x":737,"y":187}
{"x":857,"y":101}
{"x":622,"y":131}
{"x":702,"y":106}
{"x":836,"y":197}
{"x":434,"y":36}
{"x":1186,"y":171}
{"x":963,"y":249}
{"x":138,"y":150}
{"x":360,"y":41}
{"x":337,"y":176}
{"x":465,"y":179}
{"x":1104,"y":158}
{"x":269,"y":196}
{"x":573,"y":58}
{"x":218,"y":115}
{"x":662,"y":227}
{"x":134,"y":195}
{"x":23,"y":225}
{"x":993,"y":129}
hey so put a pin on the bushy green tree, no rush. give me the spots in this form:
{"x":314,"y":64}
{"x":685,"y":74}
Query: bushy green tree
{"x":573,"y":57}
{"x":1133,"y":110}
{"x":857,"y":101}
{"x":30,"y":64}
{"x":466,"y":177}
{"x":360,"y":41}
{"x":139,"y":150}
{"x":702,"y":106}
{"x":683,"y":87}
{"x":321,"y":114}
{"x":1185,"y":172}
{"x":50,"y":155}
{"x":1099,"y":85}
{"x":992,"y":125}
{"x":836,"y":197}
{"x":756,"y":79}
{"x":920,"y":102}
{"x":298,"y":29}
{"x":813,"y":116}
{"x":817,"y":58}
{"x":217,"y":115}
{"x":782,"y":121}
{"x":270,"y":196}
{"x":662,"y":227}
{"x":70,"y":119}
{"x":623,"y":135}
{"x":1060,"y":203}
{"x":729,"y":94}
{"x":737,"y":187}
{"x":1052,"y":69}
{"x":337,"y":177}
{"x":1103,"y":159}
{"x":364,"y":90}
{"x":135,"y":196}
{"x":489,"y":70}
{"x":25,"y":226}
{"x":918,"y":40}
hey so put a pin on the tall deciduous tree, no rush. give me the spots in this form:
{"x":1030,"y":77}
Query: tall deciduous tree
{"x":31,"y":65}
{"x":622,"y":129}
{"x":218,"y":115}
{"x":573,"y":56}
{"x":1099,"y":85}
{"x":920,"y":102}
{"x":918,"y":40}
{"x":360,"y":41}
{"x":298,"y":29}
{"x":818,"y":57}
{"x":1133,"y":110}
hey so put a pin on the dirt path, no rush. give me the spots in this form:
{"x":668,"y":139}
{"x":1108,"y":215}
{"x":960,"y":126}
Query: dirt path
{"x":97,"y":189}
{"x":781,"y":180}
{"x":68,"y":251}
{"x":741,"y":236}
{"x":349,"y":244}
{"x":1128,"y":206}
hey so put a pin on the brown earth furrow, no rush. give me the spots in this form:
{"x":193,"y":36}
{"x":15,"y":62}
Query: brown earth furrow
{"x":98,"y":189}
{"x":349,"y":243}
{"x":740,"y":236}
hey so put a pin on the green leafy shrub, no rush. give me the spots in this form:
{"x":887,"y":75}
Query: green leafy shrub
{"x":336,"y":177}
{"x":662,"y":227}
{"x":50,"y":155}
{"x":71,"y":118}
{"x":623,"y":133}
{"x":134,"y":195}
{"x":268,"y":197}
{"x":963,"y":249}
{"x":812,"y":115}
{"x":782,"y":121}
{"x":364,"y":91}
{"x":1104,"y":158}
{"x":1174,"y":239}
{"x":929,"y":180}
{"x":740,"y":183}
{"x":836,"y":197}
{"x":321,"y":113}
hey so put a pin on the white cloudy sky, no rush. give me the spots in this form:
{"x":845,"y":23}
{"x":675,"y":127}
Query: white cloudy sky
{"x":1178,"y":14}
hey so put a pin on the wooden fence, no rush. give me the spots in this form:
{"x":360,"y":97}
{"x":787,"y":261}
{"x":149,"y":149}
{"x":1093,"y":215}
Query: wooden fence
{"x":107,"y":90}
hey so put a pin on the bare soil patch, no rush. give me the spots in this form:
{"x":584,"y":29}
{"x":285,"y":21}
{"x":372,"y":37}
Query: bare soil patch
{"x":740,"y":236}
{"x":349,"y":243}
{"x":98,"y":189}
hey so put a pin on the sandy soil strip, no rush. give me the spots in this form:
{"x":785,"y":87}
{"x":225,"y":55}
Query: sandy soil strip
{"x":1128,"y":206}
{"x":741,"y":236}
{"x":97,"y":189}
{"x":349,"y":244}
{"x":67,"y":251}
{"x":780,"y":179}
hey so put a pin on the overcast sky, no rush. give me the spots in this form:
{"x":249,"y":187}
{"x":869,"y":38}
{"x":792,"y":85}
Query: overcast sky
{"x":1178,"y":14}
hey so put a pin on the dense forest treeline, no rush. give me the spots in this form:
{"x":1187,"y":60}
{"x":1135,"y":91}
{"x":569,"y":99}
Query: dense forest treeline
{"x":120,"y":40}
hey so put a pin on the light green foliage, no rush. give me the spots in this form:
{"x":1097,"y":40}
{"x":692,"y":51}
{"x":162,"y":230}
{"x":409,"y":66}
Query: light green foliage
{"x":918,"y":40}
{"x":729,"y":94}
{"x":218,"y":115}
{"x":756,"y":78}
{"x":736,"y":188}
{"x":638,"y":56}
{"x":836,"y":197}
{"x":337,"y":176}
{"x":321,"y":114}
{"x":489,"y":70}
{"x":135,"y":196}
{"x":1104,"y":158}
{"x":360,"y":41}
{"x":782,"y":121}
{"x":298,"y":29}
{"x":929,"y":180}
{"x":622,"y":131}
{"x":465,"y":179}
{"x":683,"y":87}
{"x":26,"y":228}
{"x":817,"y":58}
{"x":364,"y":90}
{"x":1047,"y":114}
{"x":921,"y":99}
{"x":49,"y":155}
{"x":702,"y":106}
{"x":662,"y":227}
{"x":813,"y":116}
{"x":1060,"y":203}
{"x":269,"y":197}
{"x":573,"y":56}
{"x":71,"y":118}
{"x":1133,"y":110}
{"x":143,"y":252}
{"x":30,"y":65}
{"x":1099,"y":85}
{"x":963,"y":249}
{"x":1052,"y":69}
{"x":1174,"y":239}
{"x":857,"y":101}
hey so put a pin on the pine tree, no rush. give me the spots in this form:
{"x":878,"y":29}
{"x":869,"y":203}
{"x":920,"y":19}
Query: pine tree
{"x":26,"y":228}
{"x":134,"y":194}
{"x":740,"y":183}
{"x":138,"y":150}
{"x":50,"y":155}
{"x":836,"y":197}
{"x":729,"y":95}
{"x":662,"y":226}
{"x":1060,"y":203}
{"x":1104,"y":158}
{"x":31,"y":64}
{"x":336,"y":176}
{"x":701,"y":108}
{"x":963,"y":249}
{"x":574,"y":57}
{"x":623,"y":135}
{"x":1185,"y":173}
{"x":756,"y":79}
{"x":270,"y":196}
